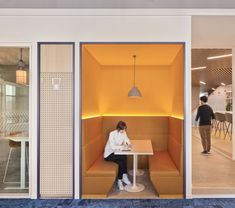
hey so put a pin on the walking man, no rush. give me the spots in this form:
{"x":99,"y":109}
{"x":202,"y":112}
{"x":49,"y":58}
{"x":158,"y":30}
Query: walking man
{"x":205,"y":114}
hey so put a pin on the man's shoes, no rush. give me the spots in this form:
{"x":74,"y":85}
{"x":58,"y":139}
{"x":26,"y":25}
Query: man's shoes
{"x":120,"y":185}
{"x":125,"y":179}
{"x":204,"y":152}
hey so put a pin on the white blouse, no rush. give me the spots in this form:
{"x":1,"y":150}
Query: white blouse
{"x":116,"y":141}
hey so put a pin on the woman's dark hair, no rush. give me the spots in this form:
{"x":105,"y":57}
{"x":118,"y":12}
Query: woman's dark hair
{"x":204,"y":99}
{"x":121,"y":126}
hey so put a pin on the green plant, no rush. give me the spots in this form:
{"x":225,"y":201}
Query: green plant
{"x":229,"y":106}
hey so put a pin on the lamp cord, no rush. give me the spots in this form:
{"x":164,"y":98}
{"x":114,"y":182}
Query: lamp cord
{"x":134,"y":56}
{"x":21,"y":54}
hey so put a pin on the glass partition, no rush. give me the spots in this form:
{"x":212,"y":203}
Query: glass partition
{"x":14,"y":122}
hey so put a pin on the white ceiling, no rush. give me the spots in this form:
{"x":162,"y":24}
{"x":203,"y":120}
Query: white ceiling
{"x":117,"y":4}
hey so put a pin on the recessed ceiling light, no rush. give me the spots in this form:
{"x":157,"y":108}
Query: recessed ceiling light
{"x":213,"y":88}
{"x":223,"y":84}
{"x":201,"y":82}
{"x":221,"y":56}
{"x":201,"y":67}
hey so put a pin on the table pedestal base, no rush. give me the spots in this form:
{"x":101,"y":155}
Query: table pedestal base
{"x":137,"y":188}
{"x":139,"y":172}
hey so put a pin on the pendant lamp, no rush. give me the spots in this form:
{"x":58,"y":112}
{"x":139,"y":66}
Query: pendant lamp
{"x":21,"y":76}
{"x":134,"y":92}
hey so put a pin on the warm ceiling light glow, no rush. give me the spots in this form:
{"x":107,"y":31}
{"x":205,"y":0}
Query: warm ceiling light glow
{"x":201,"y":82}
{"x":223,"y":84}
{"x":221,"y":56}
{"x":201,"y":67}
{"x":213,"y":88}
{"x":135,"y":115}
{"x":178,"y":117}
{"x":93,"y":116}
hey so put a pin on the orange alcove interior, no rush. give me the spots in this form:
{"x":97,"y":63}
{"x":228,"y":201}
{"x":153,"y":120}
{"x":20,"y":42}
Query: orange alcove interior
{"x":107,"y":77}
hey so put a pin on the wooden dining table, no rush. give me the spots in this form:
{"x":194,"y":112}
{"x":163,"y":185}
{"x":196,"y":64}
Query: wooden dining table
{"x":139,"y":147}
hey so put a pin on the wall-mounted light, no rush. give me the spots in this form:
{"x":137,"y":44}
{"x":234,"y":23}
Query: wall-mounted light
{"x":56,"y":83}
{"x":134,"y":92}
{"x":223,"y":84}
{"x":201,"y":82}
{"x":221,"y":56}
{"x":213,"y":88}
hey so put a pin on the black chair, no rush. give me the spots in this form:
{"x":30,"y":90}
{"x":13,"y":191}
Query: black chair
{"x":229,"y":119}
{"x":220,"y":122}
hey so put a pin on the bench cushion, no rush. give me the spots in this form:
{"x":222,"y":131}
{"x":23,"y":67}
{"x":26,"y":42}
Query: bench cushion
{"x":102,"y":168}
{"x":161,"y":164}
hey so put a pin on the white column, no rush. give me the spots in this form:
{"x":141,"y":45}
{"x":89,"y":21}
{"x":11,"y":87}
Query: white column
{"x":233,"y":96}
{"x":33,"y":121}
{"x":77,"y":117}
{"x":188,"y":116}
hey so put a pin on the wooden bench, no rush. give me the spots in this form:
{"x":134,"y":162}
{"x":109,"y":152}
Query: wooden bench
{"x":166,"y":167}
{"x":98,"y":175}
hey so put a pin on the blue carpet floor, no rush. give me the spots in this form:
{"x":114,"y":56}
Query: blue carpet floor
{"x":148,"y":203}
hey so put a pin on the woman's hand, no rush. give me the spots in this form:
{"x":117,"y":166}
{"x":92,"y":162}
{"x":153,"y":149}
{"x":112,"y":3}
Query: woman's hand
{"x":127,"y":143}
{"x":122,"y":147}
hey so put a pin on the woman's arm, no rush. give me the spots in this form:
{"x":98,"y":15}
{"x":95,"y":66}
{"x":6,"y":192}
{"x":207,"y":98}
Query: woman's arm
{"x":126,"y":140}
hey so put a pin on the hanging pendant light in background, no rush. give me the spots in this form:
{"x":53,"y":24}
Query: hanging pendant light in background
{"x":21,"y":75}
{"x":134,"y":92}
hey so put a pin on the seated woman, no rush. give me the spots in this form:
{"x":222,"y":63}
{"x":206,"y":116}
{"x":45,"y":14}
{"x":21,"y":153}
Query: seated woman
{"x":117,"y":141}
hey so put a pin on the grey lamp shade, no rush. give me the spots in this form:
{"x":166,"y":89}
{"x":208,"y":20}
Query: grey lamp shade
{"x":134,"y":92}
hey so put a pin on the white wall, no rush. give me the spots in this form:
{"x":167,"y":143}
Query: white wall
{"x":195,"y":97}
{"x":217,"y":100}
{"x":32,"y":29}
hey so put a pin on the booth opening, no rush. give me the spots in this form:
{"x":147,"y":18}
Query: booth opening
{"x":153,"y":114}
{"x":212,"y":78}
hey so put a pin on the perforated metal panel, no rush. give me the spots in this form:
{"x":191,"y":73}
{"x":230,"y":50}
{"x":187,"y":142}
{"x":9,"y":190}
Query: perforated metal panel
{"x":56,"y":132}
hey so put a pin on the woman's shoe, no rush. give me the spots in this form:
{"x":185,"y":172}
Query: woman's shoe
{"x":125,"y":179}
{"x":120,"y":185}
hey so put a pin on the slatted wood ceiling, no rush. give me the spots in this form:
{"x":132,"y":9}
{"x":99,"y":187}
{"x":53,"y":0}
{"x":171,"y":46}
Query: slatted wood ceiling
{"x":217,"y":71}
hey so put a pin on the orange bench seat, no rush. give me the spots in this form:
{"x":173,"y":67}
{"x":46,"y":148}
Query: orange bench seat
{"x":102,"y":168}
{"x":161,"y":164}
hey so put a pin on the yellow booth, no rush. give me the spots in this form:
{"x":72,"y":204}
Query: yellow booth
{"x":108,"y":73}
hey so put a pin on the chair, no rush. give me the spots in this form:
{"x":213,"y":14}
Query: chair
{"x":14,"y":123}
{"x":229,"y":119}
{"x":14,"y":145}
{"x":220,"y":121}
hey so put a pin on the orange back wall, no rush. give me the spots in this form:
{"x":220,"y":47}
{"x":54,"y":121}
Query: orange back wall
{"x":152,"y":81}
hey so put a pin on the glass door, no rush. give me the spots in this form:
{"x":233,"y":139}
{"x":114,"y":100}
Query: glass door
{"x":14,"y":120}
